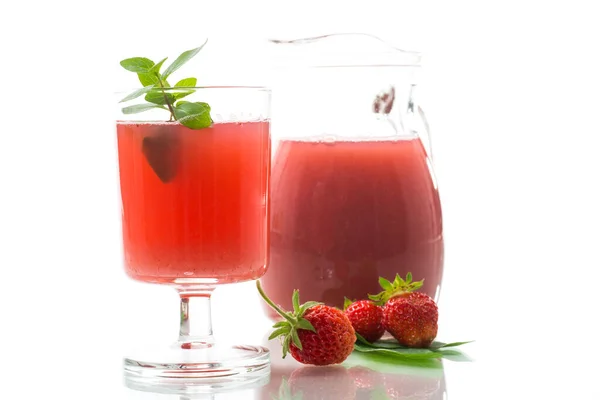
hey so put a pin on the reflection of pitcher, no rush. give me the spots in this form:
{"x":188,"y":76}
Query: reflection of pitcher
{"x":353,"y":193}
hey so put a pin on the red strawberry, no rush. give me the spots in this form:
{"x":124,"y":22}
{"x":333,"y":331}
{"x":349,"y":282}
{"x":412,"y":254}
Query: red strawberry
{"x":366,"y":318}
{"x":409,"y":316}
{"x":313,"y":333}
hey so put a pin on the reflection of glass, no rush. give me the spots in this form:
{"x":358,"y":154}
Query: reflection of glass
{"x":360,"y":377}
{"x":353,"y":195}
{"x":244,"y":391}
{"x":194,"y":213}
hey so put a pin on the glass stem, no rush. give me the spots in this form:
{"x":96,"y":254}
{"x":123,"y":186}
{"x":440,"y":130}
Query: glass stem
{"x":195,"y":327}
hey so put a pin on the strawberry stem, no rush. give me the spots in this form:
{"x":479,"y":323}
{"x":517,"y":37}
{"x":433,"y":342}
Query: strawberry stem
{"x":273,"y":305}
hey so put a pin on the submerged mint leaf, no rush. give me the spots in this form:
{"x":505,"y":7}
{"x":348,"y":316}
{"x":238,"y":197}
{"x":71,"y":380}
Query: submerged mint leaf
{"x":182,"y":59}
{"x":137,"y":93}
{"x":193,"y":115}
{"x":138,"y":108}
{"x":137,"y":64}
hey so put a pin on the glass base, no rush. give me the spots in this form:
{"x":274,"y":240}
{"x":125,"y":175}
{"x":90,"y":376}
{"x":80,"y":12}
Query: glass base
{"x":197,"y":367}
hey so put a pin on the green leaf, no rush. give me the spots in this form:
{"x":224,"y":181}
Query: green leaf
{"x":138,"y":108}
{"x":180,"y":95}
{"x":409,"y":277}
{"x":182,"y":59}
{"x":407,"y":353}
{"x":137,"y":64}
{"x":156,"y":67}
{"x":279,"y":332}
{"x":158,"y":97}
{"x":137,"y":93}
{"x":152,"y":76}
{"x":193,"y":115}
{"x":187,"y":82}
{"x":147,"y":78}
{"x":442,"y":345}
{"x":296,"y":300}
{"x":296,"y":339}
{"x":303,"y":323}
{"x":391,"y":348}
{"x":385,"y":284}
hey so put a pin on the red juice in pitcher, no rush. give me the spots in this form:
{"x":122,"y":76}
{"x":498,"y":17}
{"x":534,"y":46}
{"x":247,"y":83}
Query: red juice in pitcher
{"x":194,"y":201}
{"x":344,"y":213}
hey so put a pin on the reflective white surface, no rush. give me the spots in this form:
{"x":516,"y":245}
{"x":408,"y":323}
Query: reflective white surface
{"x":511,"y":91}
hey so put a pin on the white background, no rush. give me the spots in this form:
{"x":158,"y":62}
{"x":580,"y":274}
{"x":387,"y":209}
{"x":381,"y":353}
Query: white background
{"x":512,"y":93}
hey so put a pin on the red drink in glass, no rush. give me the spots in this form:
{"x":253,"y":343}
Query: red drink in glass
{"x":194,"y":201}
{"x":347,"y":212}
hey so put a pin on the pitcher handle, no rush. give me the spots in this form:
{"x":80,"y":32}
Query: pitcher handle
{"x":427,"y":130}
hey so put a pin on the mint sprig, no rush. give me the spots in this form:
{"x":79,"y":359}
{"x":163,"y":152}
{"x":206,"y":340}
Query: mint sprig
{"x":194,"y":115}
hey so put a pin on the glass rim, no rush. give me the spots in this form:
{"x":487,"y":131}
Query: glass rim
{"x":208,"y":87}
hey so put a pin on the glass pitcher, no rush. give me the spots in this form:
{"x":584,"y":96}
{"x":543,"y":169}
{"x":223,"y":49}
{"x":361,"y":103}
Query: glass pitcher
{"x":353,"y":193}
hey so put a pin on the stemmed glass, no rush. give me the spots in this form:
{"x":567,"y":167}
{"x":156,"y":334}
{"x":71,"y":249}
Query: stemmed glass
{"x":195,"y":215}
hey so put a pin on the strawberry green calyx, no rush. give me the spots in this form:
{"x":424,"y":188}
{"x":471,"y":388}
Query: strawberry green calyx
{"x":396,"y":288}
{"x":347,"y":303}
{"x":288,"y":328}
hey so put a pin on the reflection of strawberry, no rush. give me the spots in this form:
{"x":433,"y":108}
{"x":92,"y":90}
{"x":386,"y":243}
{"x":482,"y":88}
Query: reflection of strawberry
{"x":327,"y":383}
{"x":366,"y":318}
{"x":414,"y":387}
{"x":410,"y":317}
{"x":365,"y":379}
{"x":313,"y":333}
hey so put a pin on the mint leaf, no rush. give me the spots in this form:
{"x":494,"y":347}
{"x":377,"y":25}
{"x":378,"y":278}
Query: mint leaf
{"x":187,"y":82}
{"x":158,"y":97}
{"x":156,"y":67}
{"x":193,"y":115}
{"x":151,"y":77}
{"x":182,"y":59}
{"x":442,"y":345}
{"x":147,"y":78}
{"x":137,"y":64}
{"x":137,"y":93}
{"x":138,"y":108}
{"x":380,"y":344}
{"x":400,"y":353}
{"x":391,"y":348}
